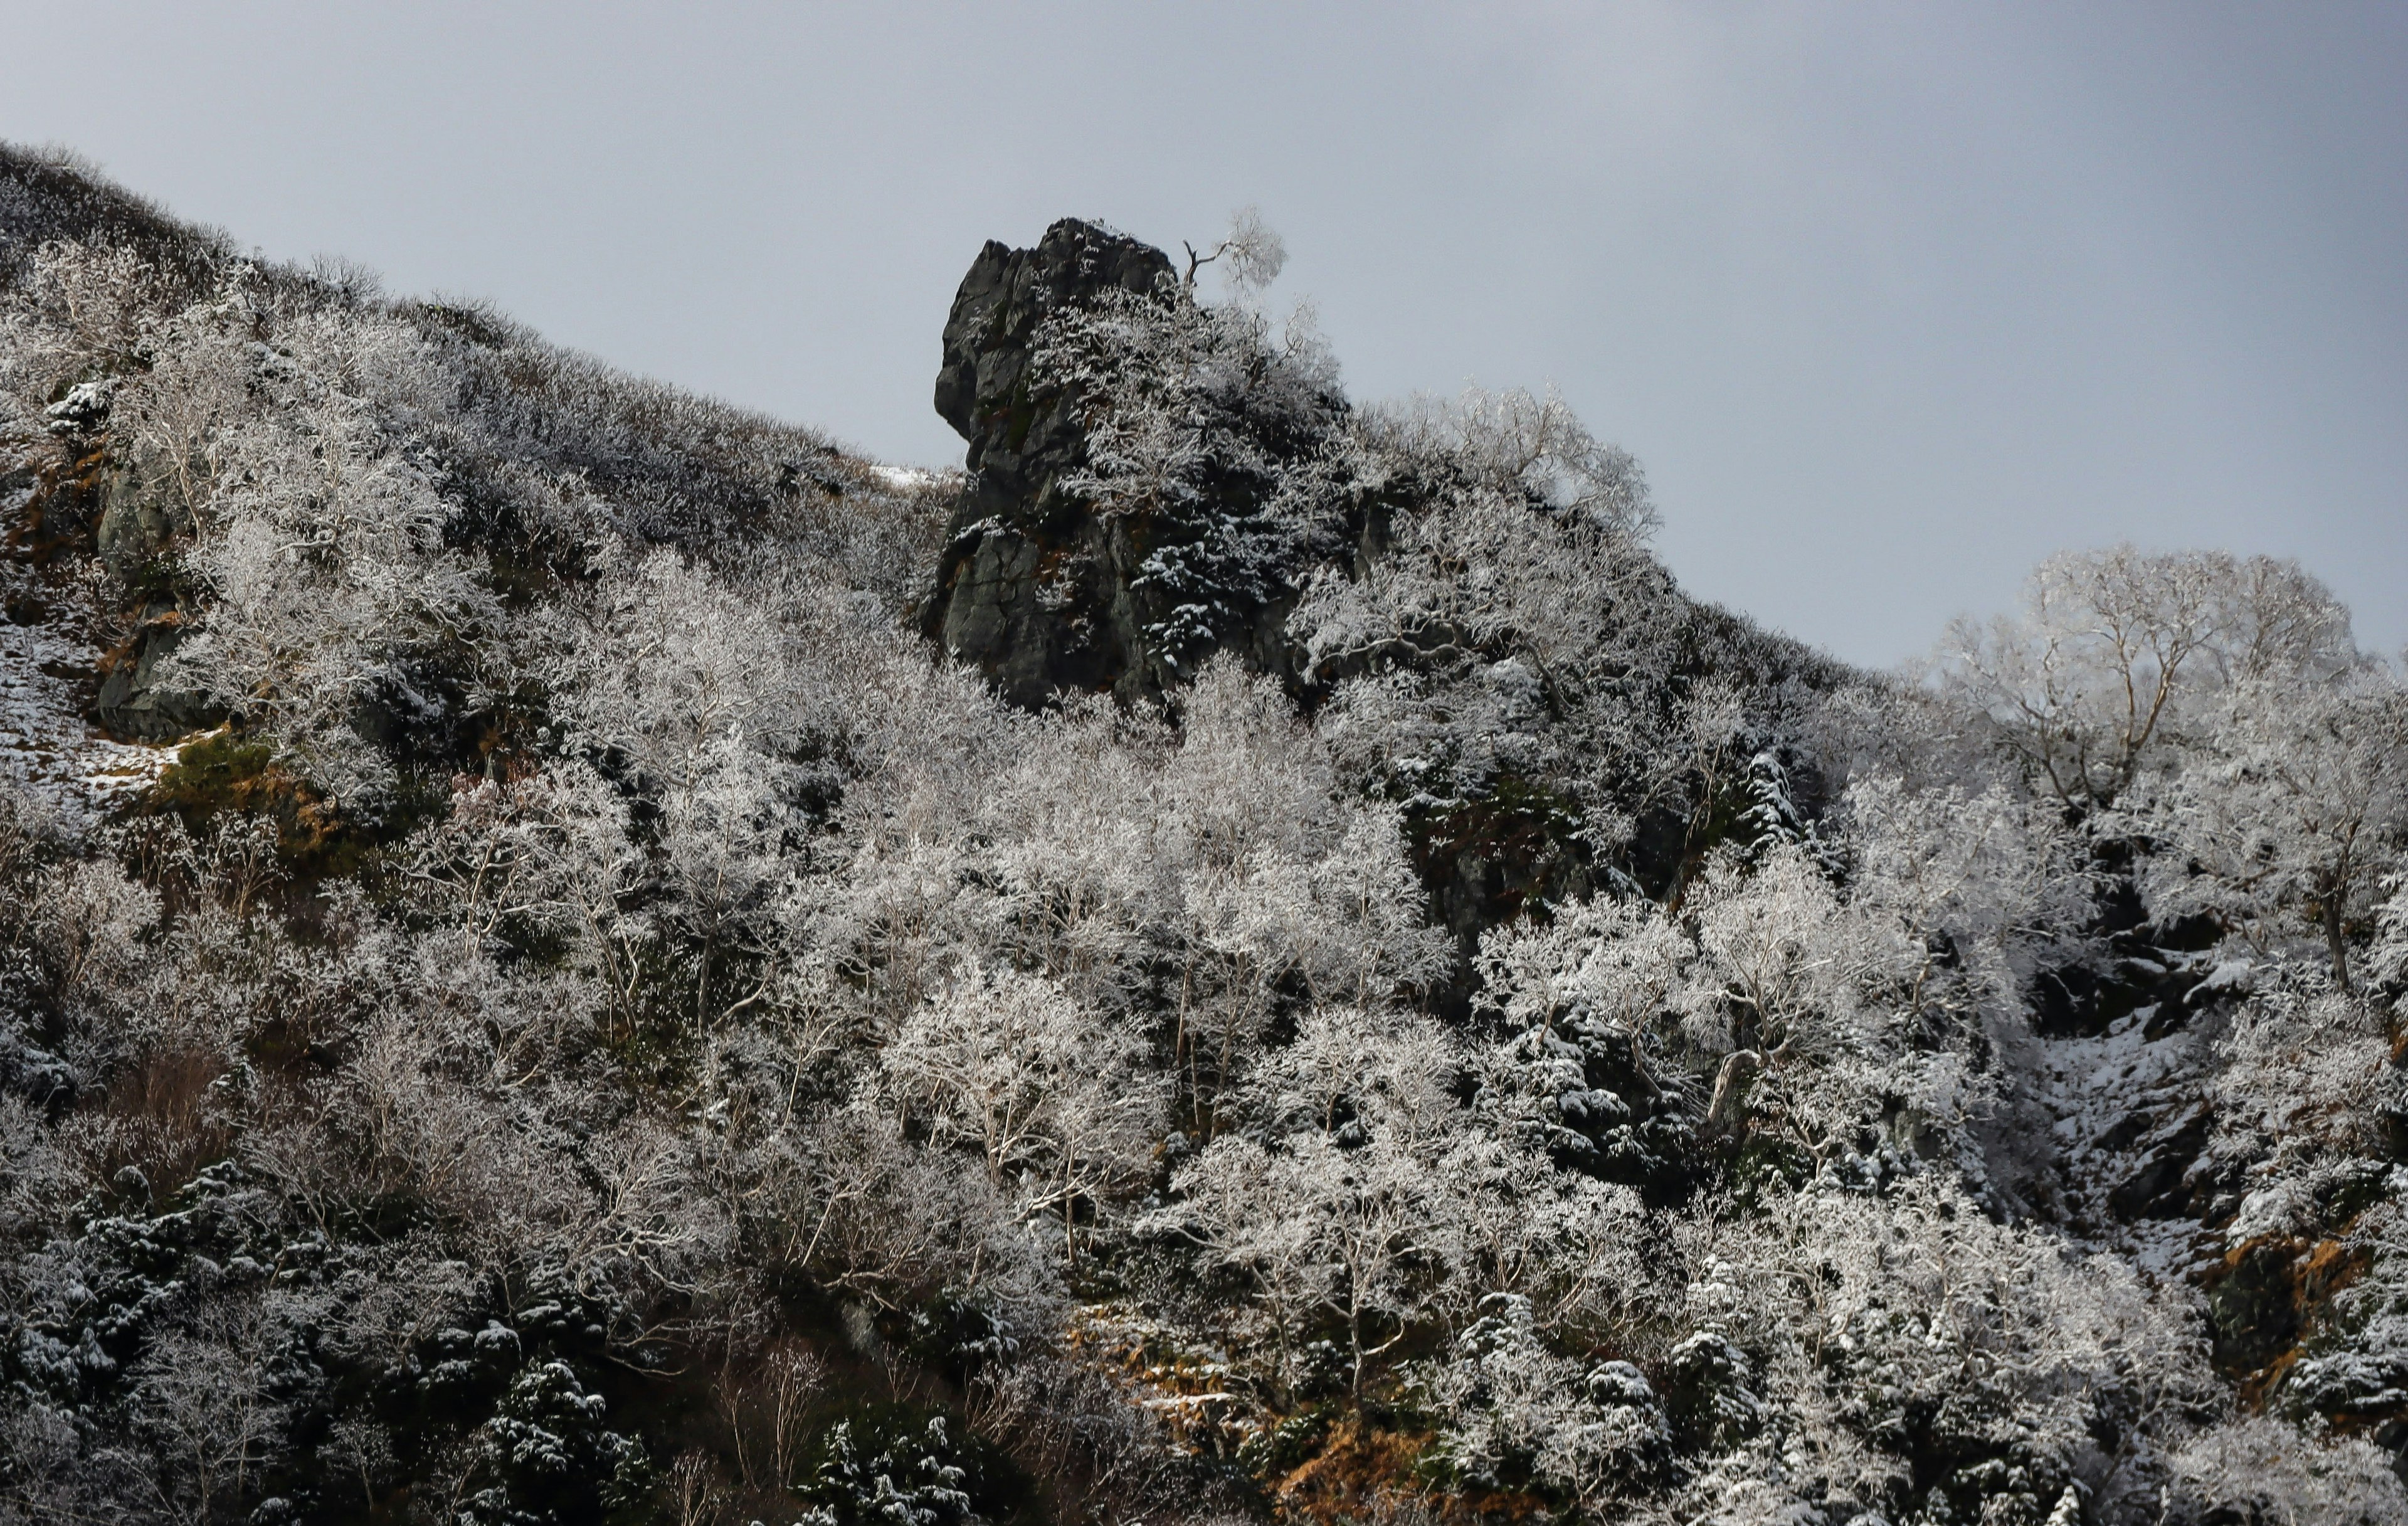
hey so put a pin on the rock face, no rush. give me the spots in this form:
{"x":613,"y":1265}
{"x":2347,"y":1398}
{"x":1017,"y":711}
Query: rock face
{"x":1034,"y":587}
{"x":136,"y":702}
{"x":138,"y":525}
{"x":120,"y":506}
{"x":1031,"y":587}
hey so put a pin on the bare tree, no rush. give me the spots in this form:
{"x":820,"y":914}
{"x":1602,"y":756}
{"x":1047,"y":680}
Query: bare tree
{"x":206,"y":1392}
{"x":2115,"y":647}
{"x":1256,"y":252}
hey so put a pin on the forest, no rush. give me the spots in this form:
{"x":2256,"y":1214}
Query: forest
{"x":572,"y":952}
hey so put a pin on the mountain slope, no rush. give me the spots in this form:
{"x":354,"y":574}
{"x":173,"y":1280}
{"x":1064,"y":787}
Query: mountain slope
{"x":575,"y":953}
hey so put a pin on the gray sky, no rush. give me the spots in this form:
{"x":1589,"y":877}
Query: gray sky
{"x":1891,"y":300}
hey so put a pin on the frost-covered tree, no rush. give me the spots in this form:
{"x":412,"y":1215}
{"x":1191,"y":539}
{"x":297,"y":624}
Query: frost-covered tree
{"x":2295,"y":807}
{"x":1050,"y":1094}
{"x":1254,"y":248}
{"x":1517,"y":1412}
{"x":1325,"y":1232}
{"x":209,"y":1395}
{"x":2115,"y":650}
{"x":1915,"y":1318}
{"x":317,"y":538}
{"x":2260,"y":1469}
{"x":1515,"y":592}
{"x":1972,"y":878}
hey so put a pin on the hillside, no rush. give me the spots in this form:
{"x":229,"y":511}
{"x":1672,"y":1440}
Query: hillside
{"x":573,"y":953}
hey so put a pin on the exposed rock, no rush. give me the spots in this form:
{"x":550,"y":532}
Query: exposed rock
{"x":2154,"y":1186}
{"x":139,"y":523}
{"x":1019,"y":438}
{"x":134,"y":699}
{"x":1034,"y":587}
{"x":1488,"y":861}
{"x":1031,"y":587}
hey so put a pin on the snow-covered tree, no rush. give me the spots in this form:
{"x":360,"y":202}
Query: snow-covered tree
{"x":2294,"y":809}
{"x":2115,"y":650}
{"x":1051,"y":1095}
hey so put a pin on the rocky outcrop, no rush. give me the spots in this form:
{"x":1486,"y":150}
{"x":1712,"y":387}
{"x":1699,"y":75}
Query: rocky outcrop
{"x":136,"y":701}
{"x":1021,"y":434}
{"x":124,"y":504}
{"x":140,"y":524}
{"x":1035,"y":587}
{"x":140,"y":519}
{"x":1032,"y":588}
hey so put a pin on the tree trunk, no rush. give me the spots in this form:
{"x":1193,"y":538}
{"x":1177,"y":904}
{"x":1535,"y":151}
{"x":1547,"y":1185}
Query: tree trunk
{"x":2334,"y":942}
{"x":1738,"y":1066}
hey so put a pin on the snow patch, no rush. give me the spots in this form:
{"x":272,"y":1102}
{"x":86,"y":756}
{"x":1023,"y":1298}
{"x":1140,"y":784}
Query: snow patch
{"x":46,"y":742}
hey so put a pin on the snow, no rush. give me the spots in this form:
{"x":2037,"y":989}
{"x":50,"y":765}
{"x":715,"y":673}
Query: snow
{"x":2235,"y":977}
{"x":44,"y":739}
{"x":904,"y":478}
{"x":2097,"y":1088}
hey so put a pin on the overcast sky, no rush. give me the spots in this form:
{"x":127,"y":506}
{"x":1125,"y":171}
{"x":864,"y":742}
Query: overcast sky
{"x":1891,"y":301}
